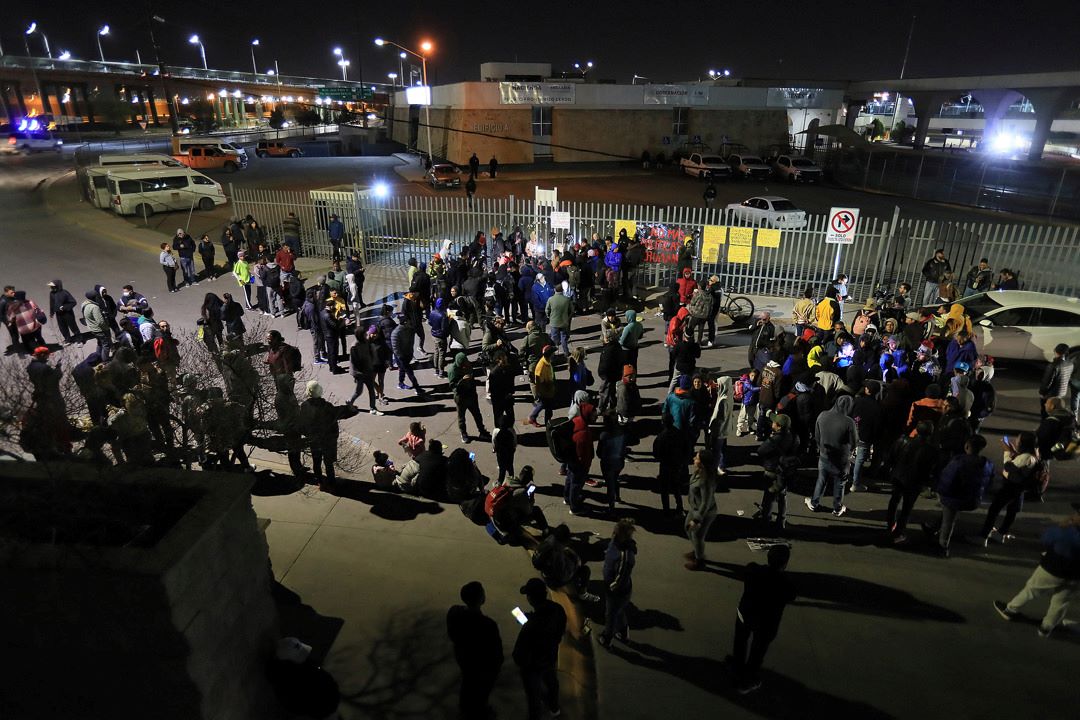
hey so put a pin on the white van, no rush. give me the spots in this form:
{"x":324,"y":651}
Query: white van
{"x":181,"y":146}
{"x":145,"y":191}
{"x":138,"y":160}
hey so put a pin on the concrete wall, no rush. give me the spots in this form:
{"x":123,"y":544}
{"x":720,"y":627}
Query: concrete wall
{"x":623,"y":133}
{"x":757,"y":129}
{"x":179,"y":630}
{"x":509,"y":121}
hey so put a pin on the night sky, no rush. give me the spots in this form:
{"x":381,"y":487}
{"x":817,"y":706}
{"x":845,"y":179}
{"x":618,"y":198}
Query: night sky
{"x":664,"y":41}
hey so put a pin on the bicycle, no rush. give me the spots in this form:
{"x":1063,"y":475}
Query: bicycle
{"x":738,"y":307}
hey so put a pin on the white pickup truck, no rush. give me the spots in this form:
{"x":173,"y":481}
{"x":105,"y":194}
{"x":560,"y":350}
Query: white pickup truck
{"x":705,"y":166}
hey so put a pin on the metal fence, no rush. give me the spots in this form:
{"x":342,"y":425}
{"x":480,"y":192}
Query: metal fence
{"x":389,"y":231}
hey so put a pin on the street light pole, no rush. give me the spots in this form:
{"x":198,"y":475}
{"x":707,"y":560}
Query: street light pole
{"x":254,"y":67}
{"x":174,"y":121}
{"x":194,"y":40}
{"x":426,"y":48}
{"x":103,"y":31}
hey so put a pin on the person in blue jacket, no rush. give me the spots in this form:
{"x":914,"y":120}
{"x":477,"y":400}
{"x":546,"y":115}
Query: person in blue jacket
{"x":440,"y":331}
{"x":961,"y":487}
{"x":541,"y":293}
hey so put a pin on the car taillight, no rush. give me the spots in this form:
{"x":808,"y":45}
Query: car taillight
{"x":12,"y":141}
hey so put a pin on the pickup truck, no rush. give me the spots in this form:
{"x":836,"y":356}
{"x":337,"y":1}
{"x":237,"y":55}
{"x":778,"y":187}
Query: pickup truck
{"x":209,"y":158}
{"x":705,"y":166}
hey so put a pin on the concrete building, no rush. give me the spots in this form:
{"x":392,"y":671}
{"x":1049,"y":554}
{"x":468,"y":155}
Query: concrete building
{"x":517,"y":116}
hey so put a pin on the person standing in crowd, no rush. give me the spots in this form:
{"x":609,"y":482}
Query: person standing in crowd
{"x":1021,"y":474}
{"x":619,"y":560}
{"x":319,"y":419}
{"x":836,"y":435}
{"x":766,"y":592}
{"x":701,"y":502}
{"x":577,"y":467}
{"x":543,"y":387}
{"x":402,"y":340}
{"x":979,"y":278}
{"x":963,"y":482}
{"x":866,"y":412}
{"x":933,"y":272}
{"x":1007,"y":280}
{"x":206,"y":252}
{"x":62,"y":307}
{"x":911,"y":466}
{"x":242,"y":274}
{"x":185,"y":248}
{"x":779,"y":456}
{"x":232,"y":317}
{"x":1057,"y":575}
{"x":463,"y":385}
{"x":290,"y":230}
{"x":559,"y":311}
{"x":477,"y":649}
{"x":94,"y":319}
{"x":362,"y":368}
{"x":1056,"y":377}
{"x":536,"y":652}
{"x":612,"y":449}
{"x":168,"y":264}
{"x":335,"y":232}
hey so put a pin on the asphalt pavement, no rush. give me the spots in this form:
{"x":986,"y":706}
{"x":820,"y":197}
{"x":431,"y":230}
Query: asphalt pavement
{"x":366,"y":576}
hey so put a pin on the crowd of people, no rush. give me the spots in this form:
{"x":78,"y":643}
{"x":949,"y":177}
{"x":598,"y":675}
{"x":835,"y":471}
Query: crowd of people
{"x":896,"y":397}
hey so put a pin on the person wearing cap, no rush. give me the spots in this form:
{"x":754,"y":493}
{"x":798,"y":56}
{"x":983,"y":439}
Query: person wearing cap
{"x":1056,"y":377}
{"x":62,"y":306}
{"x":1057,"y":575}
{"x":536,"y":652}
{"x":185,"y":248}
{"x":478,"y":650}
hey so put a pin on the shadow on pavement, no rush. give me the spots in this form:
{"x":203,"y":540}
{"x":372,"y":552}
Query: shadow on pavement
{"x":780,"y":697}
{"x":407,"y":667}
{"x":301,"y":621}
{"x":848,"y":594}
{"x":387,"y":505}
{"x":268,"y":483}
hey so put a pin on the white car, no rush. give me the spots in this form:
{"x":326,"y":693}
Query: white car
{"x":1022,"y":325}
{"x":748,"y":166}
{"x":705,"y":166}
{"x":796,"y":169}
{"x":28,"y":142}
{"x":769,"y":211}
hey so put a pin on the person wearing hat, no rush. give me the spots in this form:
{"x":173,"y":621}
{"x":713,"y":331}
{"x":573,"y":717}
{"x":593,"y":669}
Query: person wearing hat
{"x":536,"y":652}
{"x":335,"y":231}
{"x":1057,"y":575}
{"x":779,"y":459}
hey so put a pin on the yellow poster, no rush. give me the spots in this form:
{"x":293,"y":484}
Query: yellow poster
{"x":711,"y":240}
{"x":739,"y":254}
{"x":630,"y":226}
{"x":768,"y":238}
{"x":741,"y":236}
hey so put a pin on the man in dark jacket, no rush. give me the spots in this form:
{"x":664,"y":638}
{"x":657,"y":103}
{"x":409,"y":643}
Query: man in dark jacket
{"x":866,"y":412}
{"x":184,"y":245}
{"x":766,"y":592}
{"x":440,"y":333}
{"x":62,"y":306}
{"x":477,"y":649}
{"x":1057,"y":575}
{"x":610,"y":370}
{"x":933,"y":270}
{"x":536,"y":651}
{"x":779,"y":459}
{"x":402,"y":340}
{"x":961,"y":487}
{"x":319,"y":420}
{"x":836,"y":435}
{"x":911,"y":464}
{"x":335,"y":231}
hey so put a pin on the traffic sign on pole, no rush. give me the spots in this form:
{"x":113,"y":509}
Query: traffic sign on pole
{"x":841,"y":229}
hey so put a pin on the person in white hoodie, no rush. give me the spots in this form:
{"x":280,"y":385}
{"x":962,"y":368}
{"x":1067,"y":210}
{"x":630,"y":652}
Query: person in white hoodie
{"x":721,"y":422}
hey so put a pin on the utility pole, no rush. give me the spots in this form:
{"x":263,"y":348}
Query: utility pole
{"x":903,"y":69}
{"x":151,"y":18}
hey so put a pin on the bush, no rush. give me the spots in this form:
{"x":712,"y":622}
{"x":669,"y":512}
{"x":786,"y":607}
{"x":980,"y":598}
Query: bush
{"x":277,"y":118}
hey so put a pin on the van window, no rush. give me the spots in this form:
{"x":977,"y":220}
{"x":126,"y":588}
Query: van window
{"x":200,"y":180}
{"x":174,"y":182}
{"x":100,"y":182}
{"x":129,"y":186}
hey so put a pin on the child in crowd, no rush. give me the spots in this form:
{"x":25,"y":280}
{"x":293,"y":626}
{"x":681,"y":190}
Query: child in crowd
{"x":414,"y":440}
{"x":748,"y":401}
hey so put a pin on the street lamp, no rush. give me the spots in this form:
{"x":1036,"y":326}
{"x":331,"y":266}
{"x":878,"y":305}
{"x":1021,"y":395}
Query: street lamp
{"x":102,"y":32}
{"x":194,"y":40}
{"x":393,"y":79}
{"x":425,"y":48}
{"x":64,"y":55}
{"x":254,"y":68}
{"x":584,"y":69}
{"x":636,"y":78}
{"x":35,"y":29}
{"x":344,"y":65}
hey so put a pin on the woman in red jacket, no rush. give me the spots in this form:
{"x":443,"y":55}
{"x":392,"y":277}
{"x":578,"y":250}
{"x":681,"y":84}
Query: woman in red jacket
{"x":577,"y":470}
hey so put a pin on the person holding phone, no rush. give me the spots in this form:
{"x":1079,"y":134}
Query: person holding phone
{"x":477,"y":648}
{"x":536,"y":651}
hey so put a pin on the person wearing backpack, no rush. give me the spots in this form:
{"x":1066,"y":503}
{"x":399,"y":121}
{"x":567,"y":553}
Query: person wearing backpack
{"x":961,"y":487}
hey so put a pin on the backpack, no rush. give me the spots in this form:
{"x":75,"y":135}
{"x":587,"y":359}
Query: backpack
{"x":499,"y":495}
{"x":560,"y":437}
{"x":303,"y":318}
{"x":296,"y":360}
{"x":573,"y":276}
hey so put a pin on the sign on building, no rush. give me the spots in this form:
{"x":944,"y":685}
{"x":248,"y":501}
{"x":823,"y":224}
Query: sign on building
{"x":841,"y":228}
{"x":675,"y":95}
{"x":537,"y":93}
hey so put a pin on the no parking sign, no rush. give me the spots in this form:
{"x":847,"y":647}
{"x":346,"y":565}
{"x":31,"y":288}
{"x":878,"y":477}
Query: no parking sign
{"x":842,"y":222}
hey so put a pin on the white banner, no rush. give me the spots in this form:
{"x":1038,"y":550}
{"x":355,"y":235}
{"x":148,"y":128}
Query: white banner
{"x":560,"y":220}
{"x":676,"y":95}
{"x":536,"y":93}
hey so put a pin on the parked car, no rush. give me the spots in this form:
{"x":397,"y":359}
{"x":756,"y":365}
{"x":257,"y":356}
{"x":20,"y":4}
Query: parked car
{"x":769,"y":211}
{"x":28,"y":142}
{"x":705,"y":166}
{"x":1023,"y":325}
{"x":276,"y":148}
{"x":795,"y":168}
{"x":748,"y":166}
{"x":444,"y":175}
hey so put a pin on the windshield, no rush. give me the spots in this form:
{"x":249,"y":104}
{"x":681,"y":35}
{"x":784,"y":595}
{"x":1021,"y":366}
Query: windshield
{"x":712,"y":160}
{"x":751,"y":160}
{"x":978,"y":305}
{"x":783,"y":205}
{"x":803,"y":163}
{"x":445,"y":169}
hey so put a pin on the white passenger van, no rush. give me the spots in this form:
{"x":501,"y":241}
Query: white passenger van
{"x":145,"y":191}
{"x":96,"y":177}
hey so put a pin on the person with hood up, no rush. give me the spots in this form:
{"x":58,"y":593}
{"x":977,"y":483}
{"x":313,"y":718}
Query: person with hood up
{"x":95,"y":322}
{"x":440,"y":333}
{"x":232,"y":317}
{"x":721,"y":422}
{"x":582,"y":414}
{"x":463,"y":385}
{"x":836,"y":435}
{"x":627,"y":396}
{"x":686,"y":286}
{"x":62,"y":306}
{"x":630,"y":337}
{"x":612,"y":449}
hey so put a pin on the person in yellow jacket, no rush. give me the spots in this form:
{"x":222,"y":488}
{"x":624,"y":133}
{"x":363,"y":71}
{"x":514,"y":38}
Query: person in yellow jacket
{"x":241,"y":270}
{"x":544,"y":380}
{"x":827,"y":312}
